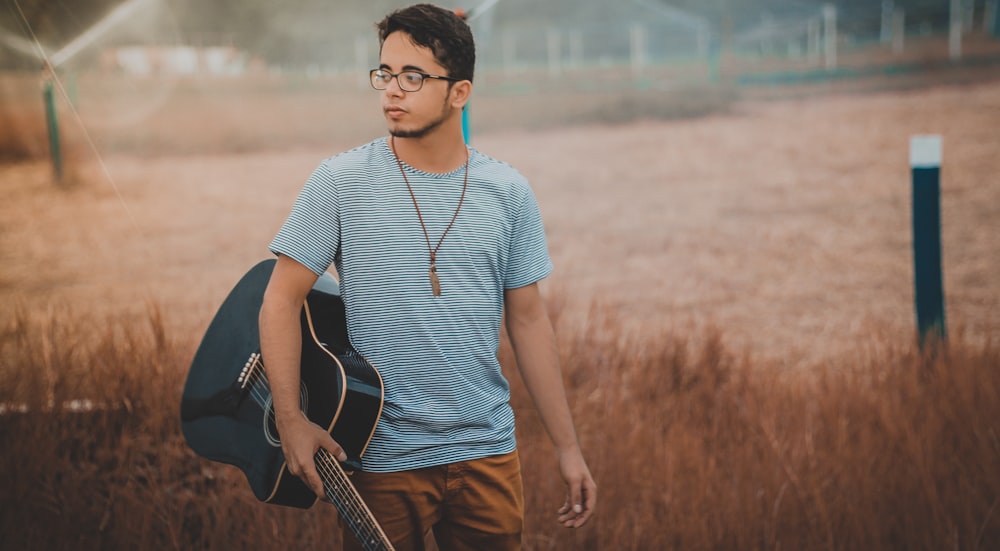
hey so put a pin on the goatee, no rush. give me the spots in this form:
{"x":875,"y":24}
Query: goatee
{"x":421,"y":132}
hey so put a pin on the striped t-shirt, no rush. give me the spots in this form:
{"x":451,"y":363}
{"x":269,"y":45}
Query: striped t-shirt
{"x":446,"y":399}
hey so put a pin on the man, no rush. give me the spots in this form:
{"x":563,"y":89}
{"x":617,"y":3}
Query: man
{"x":432,"y":242}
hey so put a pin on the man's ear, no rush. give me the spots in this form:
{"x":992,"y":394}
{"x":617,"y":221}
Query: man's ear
{"x":460,"y":93}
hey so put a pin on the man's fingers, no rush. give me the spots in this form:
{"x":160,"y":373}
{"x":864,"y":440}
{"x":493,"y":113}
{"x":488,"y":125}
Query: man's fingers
{"x":579,"y":505}
{"x":335,"y":450}
{"x":569,"y":512}
{"x":575,"y":498}
{"x":315,"y":482}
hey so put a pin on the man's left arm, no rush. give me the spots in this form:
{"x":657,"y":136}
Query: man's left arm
{"x":534,"y":343}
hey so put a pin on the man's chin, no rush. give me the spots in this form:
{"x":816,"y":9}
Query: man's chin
{"x":407,"y":132}
{"x":402,"y":132}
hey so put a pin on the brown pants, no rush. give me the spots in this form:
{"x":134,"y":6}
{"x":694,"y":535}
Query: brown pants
{"x":473,"y":505}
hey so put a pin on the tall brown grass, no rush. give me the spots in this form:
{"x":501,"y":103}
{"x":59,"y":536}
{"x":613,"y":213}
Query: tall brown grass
{"x":693,"y":447}
{"x":24,"y":135}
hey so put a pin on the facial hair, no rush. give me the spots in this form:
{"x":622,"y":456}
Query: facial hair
{"x":426,"y":129}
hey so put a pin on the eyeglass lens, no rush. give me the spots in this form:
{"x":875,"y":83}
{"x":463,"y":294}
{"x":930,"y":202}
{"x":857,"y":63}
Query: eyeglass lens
{"x":409,"y":81}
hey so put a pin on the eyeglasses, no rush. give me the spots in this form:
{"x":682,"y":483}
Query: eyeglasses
{"x":409,"y":81}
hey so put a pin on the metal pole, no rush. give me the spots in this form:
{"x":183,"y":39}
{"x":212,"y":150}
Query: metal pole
{"x":991,"y":18}
{"x":925,"y":164}
{"x":576,"y":49}
{"x":813,"y":35}
{"x":637,"y":50}
{"x":554,"y":47}
{"x":887,"y":15}
{"x":898,"y":30}
{"x":361,"y":61}
{"x":508,"y":48}
{"x":830,"y":34}
{"x":48,"y":94}
{"x":955,"y":31}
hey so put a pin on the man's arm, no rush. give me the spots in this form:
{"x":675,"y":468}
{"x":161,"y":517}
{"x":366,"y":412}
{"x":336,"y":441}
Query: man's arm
{"x":281,"y":348}
{"x":534,"y":344}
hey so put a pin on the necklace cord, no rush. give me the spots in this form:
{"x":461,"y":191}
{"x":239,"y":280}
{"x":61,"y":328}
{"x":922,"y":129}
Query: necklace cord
{"x":432,"y":249}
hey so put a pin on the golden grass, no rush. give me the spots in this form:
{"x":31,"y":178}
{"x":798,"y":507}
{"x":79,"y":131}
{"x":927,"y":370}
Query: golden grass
{"x":693,"y":448}
{"x":23,"y":137}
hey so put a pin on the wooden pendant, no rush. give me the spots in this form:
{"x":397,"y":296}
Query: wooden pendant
{"x":435,"y":283}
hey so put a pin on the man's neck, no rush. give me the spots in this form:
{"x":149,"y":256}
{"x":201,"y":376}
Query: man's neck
{"x":438,"y":152}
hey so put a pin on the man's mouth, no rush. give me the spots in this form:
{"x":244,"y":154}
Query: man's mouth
{"x":393,"y":110}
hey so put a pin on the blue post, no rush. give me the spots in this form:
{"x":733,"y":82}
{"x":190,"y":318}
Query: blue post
{"x":465,"y":123}
{"x":925,"y":164}
{"x":462,"y":13}
{"x":995,"y":24}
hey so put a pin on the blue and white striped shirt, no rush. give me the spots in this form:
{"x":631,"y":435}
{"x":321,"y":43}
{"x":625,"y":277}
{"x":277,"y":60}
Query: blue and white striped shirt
{"x":446,"y":399}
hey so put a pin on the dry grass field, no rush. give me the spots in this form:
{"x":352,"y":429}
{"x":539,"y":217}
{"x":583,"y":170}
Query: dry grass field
{"x":733,"y":293}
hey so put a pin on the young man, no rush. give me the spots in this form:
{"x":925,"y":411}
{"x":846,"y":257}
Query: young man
{"x":432,"y":241}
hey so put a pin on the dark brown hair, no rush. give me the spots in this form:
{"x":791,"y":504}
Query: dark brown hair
{"x":446,"y":34}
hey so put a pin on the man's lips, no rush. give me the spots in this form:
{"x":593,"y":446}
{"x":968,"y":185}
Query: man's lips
{"x":394,"y":111}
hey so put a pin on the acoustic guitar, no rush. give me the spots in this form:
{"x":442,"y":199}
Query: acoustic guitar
{"x":227,"y":414}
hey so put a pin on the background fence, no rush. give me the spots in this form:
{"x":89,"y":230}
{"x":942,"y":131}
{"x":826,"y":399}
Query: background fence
{"x":513,"y":35}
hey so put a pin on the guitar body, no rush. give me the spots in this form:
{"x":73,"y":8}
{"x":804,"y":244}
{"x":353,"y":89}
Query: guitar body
{"x":226,"y":410}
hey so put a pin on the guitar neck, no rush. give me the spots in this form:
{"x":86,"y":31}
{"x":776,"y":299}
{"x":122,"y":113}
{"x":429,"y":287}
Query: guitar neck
{"x":339,"y":490}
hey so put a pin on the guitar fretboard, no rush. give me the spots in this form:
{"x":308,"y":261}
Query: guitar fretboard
{"x":352,"y":508}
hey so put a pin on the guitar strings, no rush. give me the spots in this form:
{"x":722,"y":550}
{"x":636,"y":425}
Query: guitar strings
{"x":348,"y":502}
{"x":327,"y":465}
{"x":369,"y":527}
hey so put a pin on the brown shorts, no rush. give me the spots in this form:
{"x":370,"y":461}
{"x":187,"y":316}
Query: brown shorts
{"x":472,"y":505}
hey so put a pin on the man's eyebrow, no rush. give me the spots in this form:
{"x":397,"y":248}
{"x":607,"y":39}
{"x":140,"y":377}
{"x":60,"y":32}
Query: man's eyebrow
{"x":405,"y":68}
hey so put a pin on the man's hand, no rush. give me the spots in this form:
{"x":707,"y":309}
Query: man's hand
{"x":581,"y":490}
{"x":300,"y":440}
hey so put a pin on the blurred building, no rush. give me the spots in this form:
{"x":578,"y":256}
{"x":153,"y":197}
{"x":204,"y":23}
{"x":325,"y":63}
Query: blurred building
{"x":174,"y":60}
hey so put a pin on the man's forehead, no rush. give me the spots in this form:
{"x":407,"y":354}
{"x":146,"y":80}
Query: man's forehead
{"x":400,"y":51}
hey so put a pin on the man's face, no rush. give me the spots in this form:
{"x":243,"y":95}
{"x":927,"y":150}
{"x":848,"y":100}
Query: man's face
{"x":413,"y":114}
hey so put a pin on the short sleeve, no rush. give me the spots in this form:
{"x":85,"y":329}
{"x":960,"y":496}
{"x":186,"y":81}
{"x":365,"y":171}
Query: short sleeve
{"x":529,"y":259}
{"x":311,"y":233}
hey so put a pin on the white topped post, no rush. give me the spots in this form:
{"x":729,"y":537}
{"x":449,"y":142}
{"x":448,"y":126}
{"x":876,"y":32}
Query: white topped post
{"x":925,"y":168}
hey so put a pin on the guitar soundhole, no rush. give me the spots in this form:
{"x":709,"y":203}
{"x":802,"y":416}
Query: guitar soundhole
{"x":270,"y":428}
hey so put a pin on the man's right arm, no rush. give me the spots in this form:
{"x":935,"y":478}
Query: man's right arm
{"x":281,"y":348}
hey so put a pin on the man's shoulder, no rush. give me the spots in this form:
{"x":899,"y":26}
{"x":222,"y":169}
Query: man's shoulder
{"x":359,"y":159}
{"x":495,"y":170}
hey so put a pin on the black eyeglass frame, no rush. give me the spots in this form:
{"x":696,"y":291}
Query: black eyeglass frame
{"x":423,"y":77}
